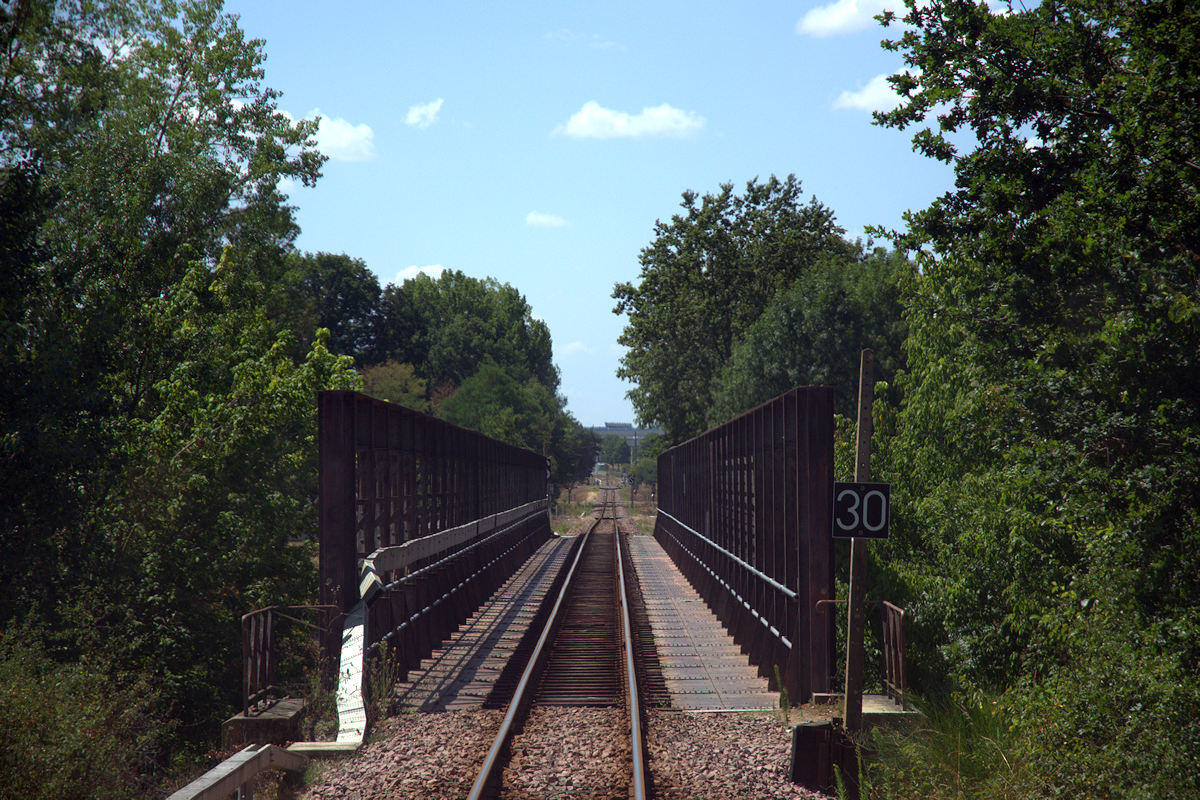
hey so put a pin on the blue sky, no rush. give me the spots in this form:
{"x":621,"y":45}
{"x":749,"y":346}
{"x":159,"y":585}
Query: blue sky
{"x":538,"y":142}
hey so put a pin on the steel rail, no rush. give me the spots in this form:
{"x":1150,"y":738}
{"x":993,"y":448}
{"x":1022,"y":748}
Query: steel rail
{"x":518,"y":707}
{"x":637,"y":751}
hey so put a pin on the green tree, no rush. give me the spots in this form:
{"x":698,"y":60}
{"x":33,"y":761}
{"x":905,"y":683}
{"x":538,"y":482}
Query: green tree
{"x":338,"y":293}
{"x":447,"y":328}
{"x":157,"y":448}
{"x":137,"y":141}
{"x":396,"y":383}
{"x":645,"y":468}
{"x":614,"y":449}
{"x":1049,"y":449}
{"x":523,"y":413}
{"x":218,"y":474}
{"x":59,"y":714}
{"x":705,"y":279}
{"x":586,"y":446}
{"x":811,"y":334}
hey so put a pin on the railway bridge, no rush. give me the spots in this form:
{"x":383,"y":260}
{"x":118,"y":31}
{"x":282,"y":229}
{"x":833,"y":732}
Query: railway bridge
{"x":439,"y":570}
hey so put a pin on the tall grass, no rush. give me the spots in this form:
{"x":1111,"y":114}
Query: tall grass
{"x":965,"y":747}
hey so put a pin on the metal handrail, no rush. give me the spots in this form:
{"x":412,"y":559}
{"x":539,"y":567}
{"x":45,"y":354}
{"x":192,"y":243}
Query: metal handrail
{"x":235,"y":773}
{"x":895,"y":680}
{"x":895,"y":677}
{"x":732,"y":591}
{"x":743,"y":564}
{"x":373,"y":646}
{"x":258,"y":650}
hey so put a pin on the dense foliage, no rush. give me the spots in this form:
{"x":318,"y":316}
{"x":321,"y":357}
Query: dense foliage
{"x":1048,"y":450}
{"x":614,"y":449}
{"x":1042,"y":433}
{"x":645,"y":468}
{"x":466,"y":349}
{"x":720,"y":286}
{"x":163,"y":344}
{"x":525,"y":413}
{"x":811,"y":334}
{"x":338,"y":293}
{"x":157,"y":437}
{"x":448,"y":327}
{"x":483,"y":361}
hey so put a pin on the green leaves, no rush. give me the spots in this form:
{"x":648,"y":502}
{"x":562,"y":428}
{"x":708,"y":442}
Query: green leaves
{"x":449,"y":327}
{"x":707,"y":276}
{"x":812,"y":332}
{"x":614,"y":449}
{"x":1049,"y":420}
{"x":158,"y":440}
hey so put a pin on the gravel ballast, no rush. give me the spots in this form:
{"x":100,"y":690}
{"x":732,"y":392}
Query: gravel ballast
{"x":720,"y":757}
{"x":417,"y":756}
{"x":580,"y":753}
{"x":692,"y":757}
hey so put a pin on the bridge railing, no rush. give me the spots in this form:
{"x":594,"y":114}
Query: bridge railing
{"x":410,"y":614}
{"x":420,"y":521}
{"x":261,"y":685}
{"x":895,"y":678}
{"x":389,"y":475}
{"x":745,"y":513}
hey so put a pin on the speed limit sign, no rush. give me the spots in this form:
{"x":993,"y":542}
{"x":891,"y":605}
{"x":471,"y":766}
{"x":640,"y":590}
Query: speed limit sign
{"x":861,"y":510}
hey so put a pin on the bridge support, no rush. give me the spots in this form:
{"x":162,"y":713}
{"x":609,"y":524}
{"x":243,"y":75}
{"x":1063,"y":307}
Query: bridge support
{"x":745,"y":511}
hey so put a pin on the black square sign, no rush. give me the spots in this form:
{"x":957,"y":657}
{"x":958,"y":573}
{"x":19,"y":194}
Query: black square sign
{"x":861,"y":510}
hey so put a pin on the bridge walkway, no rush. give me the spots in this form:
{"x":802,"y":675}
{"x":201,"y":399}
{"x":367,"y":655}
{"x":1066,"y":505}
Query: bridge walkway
{"x":462,"y":671}
{"x":704,"y":669}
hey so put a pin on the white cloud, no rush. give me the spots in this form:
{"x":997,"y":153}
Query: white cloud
{"x":539,"y":220}
{"x":432,"y":270}
{"x":877,"y":95}
{"x":843,"y":16}
{"x":848,"y":16}
{"x":344,"y":141}
{"x":571,"y":348}
{"x":423,"y":115}
{"x":593,"y":121}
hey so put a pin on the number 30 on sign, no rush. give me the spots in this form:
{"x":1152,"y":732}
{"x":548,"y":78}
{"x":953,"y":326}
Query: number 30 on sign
{"x":861,"y":510}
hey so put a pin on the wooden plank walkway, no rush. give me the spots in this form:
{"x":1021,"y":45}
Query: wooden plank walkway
{"x":703,"y":668}
{"x":460,"y":674}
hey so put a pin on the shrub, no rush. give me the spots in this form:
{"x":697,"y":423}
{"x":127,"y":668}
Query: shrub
{"x":70,"y":731}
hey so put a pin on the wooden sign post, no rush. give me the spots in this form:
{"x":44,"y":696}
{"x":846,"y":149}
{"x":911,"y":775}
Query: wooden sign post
{"x":857,"y":612}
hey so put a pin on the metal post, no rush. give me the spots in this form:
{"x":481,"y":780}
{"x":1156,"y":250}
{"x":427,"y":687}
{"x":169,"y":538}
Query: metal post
{"x":857,"y":615}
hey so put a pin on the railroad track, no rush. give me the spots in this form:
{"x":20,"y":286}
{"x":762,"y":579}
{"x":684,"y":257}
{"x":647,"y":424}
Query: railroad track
{"x":580,"y":676}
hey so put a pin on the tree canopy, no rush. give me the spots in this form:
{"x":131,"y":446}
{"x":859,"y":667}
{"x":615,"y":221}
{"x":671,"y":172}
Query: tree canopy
{"x":524,"y":413}
{"x":1047,"y":451}
{"x":811,"y":333}
{"x":157,"y":444}
{"x":709,"y":276}
{"x":614,"y":449}
{"x":449,"y":327}
{"x":338,"y":293}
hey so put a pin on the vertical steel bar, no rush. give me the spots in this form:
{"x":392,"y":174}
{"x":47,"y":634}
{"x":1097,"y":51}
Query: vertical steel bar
{"x":247,"y":662}
{"x":336,"y":501}
{"x":819,"y":533}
